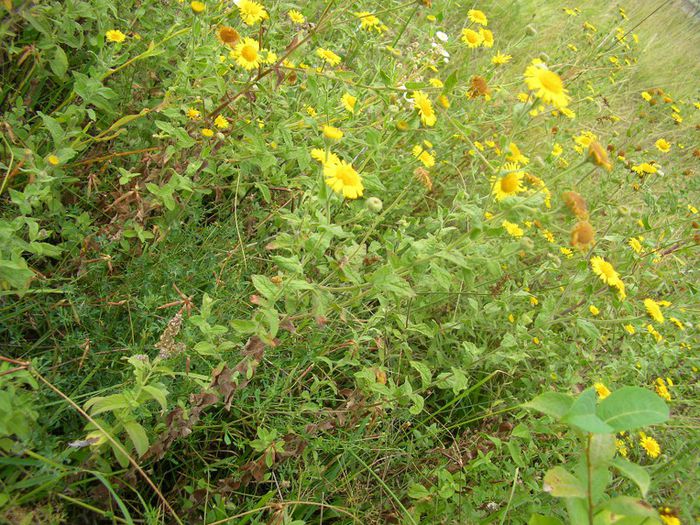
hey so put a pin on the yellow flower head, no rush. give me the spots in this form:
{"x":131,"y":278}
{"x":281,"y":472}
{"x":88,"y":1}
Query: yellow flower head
{"x":296,"y":17}
{"x":331,"y":132}
{"x":324,"y":157}
{"x":509,"y":184}
{"x":251,"y":12}
{"x":499,"y":59}
{"x":663,"y":145}
{"x":654,"y":310}
{"x":472,"y":38}
{"x":370,"y":22}
{"x":486,"y":37}
{"x":425,"y":108}
{"x":423,"y":155}
{"x":601,"y":390}
{"x":221,"y":122}
{"x":198,"y":7}
{"x":546,"y":85}
{"x":348,"y":102}
{"x":228,"y":35}
{"x":53,"y":160}
{"x":605,"y":271}
{"x":206,"y":132}
{"x":478,"y":17}
{"x":593,"y":309}
{"x":513,"y":229}
{"x":328,"y":56}
{"x":114,"y":35}
{"x":342,"y":178}
{"x":247,"y":53}
{"x":650,"y":445}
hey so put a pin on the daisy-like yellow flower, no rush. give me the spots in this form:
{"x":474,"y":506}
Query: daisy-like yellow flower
{"x":114,"y":35}
{"x":478,"y":17}
{"x":472,"y":38}
{"x":662,"y":389}
{"x":328,"y":56}
{"x":348,"y":102}
{"x":193,"y":114}
{"x":654,"y":310}
{"x":678,"y":324}
{"x":515,"y":155}
{"x":324,"y":157}
{"x":247,"y":53}
{"x":425,"y":108}
{"x":331,"y":132}
{"x":582,"y":235}
{"x":500,"y":58}
{"x":663,"y":145}
{"x":228,"y":35}
{"x":198,"y":7}
{"x":251,"y":12}
{"x":423,"y":155}
{"x":655,"y":333}
{"x":509,"y":184}
{"x":53,"y":160}
{"x":221,"y":122}
{"x":296,"y":17}
{"x":342,"y":178}
{"x":629,"y":329}
{"x":546,"y":85}
{"x":486,"y":37}
{"x":644,"y":168}
{"x":370,"y":22}
{"x":436,"y":83}
{"x":206,"y":132}
{"x":593,"y":309}
{"x":601,"y":390}
{"x":513,"y":229}
{"x":605,"y":271}
{"x":650,"y":445}
{"x":669,"y":516}
{"x":635,"y":245}
{"x":557,"y":149}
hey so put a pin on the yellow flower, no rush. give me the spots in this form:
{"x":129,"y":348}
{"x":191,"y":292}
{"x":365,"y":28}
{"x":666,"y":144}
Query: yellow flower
{"x":546,"y":85}
{"x":663,"y":145}
{"x":444,"y":101}
{"x":668,"y":516}
{"x":534,"y":301}
{"x":513,"y":229}
{"x":635,"y":245}
{"x":207,"y":132}
{"x":342,"y":178}
{"x":423,"y":155}
{"x":608,"y":275}
{"x":654,"y":310}
{"x":557,"y":149}
{"x":478,"y":17}
{"x":247,"y":53}
{"x":601,"y":390}
{"x":593,"y":309}
{"x":662,"y":389}
{"x":53,"y":160}
{"x":296,"y":17}
{"x":510,"y":184}
{"x":251,"y":12}
{"x":221,"y":122}
{"x":621,"y":447}
{"x":324,"y":157}
{"x":329,"y":56}
{"x":486,"y":37}
{"x":515,"y":155}
{"x":198,"y":7}
{"x":436,"y":83}
{"x":598,"y":156}
{"x":650,"y":445}
{"x":566,"y":252}
{"x":331,"y":132}
{"x":114,"y":35}
{"x":629,"y":329}
{"x":500,"y":59}
{"x":678,"y":324}
{"x":370,"y":22}
{"x":655,"y":333}
{"x":425,"y":108}
{"x":472,"y":38}
{"x":348,"y":102}
{"x":228,"y":35}
{"x":193,"y":114}
{"x":582,"y":235}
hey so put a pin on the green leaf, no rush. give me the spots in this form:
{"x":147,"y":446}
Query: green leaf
{"x":418,"y":491}
{"x":244,"y":326}
{"x":582,"y":414}
{"x":159,"y":393}
{"x":98,"y":405}
{"x":552,"y":404}
{"x":59,"y":64}
{"x":138,"y":436}
{"x":562,"y":484}
{"x":632,"y":407}
{"x":634,"y":472}
{"x":265,"y":286}
{"x":601,"y":449}
{"x":629,"y":506}
{"x":426,"y":375}
{"x":538,"y":519}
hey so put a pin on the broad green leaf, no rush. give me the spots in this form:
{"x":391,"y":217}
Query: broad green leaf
{"x":538,"y":519}
{"x":265,"y":286}
{"x":553,"y":404}
{"x":159,"y":393}
{"x":417,"y":491}
{"x":98,"y":405}
{"x":601,"y":449}
{"x":582,"y":414}
{"x":138,"y":436}
{"x":562,"y":484}
{"x":632,"y":407}
{"x":634,"y":472}
{"x":628,"y":506}
{"x":426,"y":375}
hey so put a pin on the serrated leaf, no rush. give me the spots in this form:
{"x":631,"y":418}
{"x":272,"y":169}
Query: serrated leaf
{"x":562,"y":484}
{"x":632,"y":407}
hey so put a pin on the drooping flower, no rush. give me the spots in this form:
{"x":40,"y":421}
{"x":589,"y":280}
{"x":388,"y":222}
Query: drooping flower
{"x":251,"y":12}
{"x":228,"y":35}
{"x":546,"y":85}
{"x":348,"y":101}
{"x":650,"y":445}
{"x":342,"y":178}
{"x":328,"y":56}
{"x":598,"y":156}
{"x":114,"y":35}
{"x":247,"y":53}
{"x":478,"y":17}
{"x":425,"y":108}
{"x":654,"y":310}
{"x":576,"y":203}
{"x":582,"y":235}
{"x":472,"y":38}
{"x":509,"y":184}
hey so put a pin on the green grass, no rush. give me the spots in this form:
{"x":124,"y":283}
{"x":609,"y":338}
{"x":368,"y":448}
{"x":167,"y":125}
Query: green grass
{"x":390,"y":376}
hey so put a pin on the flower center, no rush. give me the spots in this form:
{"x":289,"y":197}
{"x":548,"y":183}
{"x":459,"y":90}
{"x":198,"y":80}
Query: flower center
{"x":345,"y":174}
{"x":551,"y":81}
{"x":249,"y":53}
{"x":509,"y":183}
